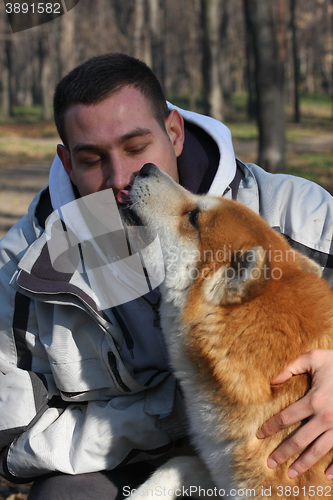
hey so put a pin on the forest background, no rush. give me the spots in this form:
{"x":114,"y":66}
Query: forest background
{"x":264,"y":67}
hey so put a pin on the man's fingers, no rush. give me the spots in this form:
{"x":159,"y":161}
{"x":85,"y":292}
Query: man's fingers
{"x":291,"y":415}
{"x":296,"y":444}
{"x":303,"y":364}
{"x":284,"y":376}
{"x":319,"y":448}
{"x":329,"y":472}
{"x":315,"y":437}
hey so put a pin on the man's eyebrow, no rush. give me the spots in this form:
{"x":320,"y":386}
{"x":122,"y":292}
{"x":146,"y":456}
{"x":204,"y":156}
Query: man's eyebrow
{"x":84,"y":147}
{"x":137,"y":132}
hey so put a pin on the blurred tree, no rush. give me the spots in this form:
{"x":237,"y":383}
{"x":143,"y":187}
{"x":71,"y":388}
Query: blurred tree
{"x":296,"y":79}
{"x":156,"y":9}
{"x":191,"y":53}
{"x":5,"y":68}
{"x":5,"y":64}
{"x":249,"y":71}
{"x":225,"y":62}
{"x":211,"y":48}
{"x":45,"y":62}
{"x":67,"y":52}
{"x":269,"y":75}
{"x":141,"y":35}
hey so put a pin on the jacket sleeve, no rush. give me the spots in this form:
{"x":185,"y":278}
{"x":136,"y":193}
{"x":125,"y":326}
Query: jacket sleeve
{"x":299,"y":209}
{"x":23,"y":399}
{"x":97,"y":435}
{"x":23,"y":393}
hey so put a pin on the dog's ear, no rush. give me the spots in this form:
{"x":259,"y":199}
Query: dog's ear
{"x":307,"y":264}
{"x":239,"y":280}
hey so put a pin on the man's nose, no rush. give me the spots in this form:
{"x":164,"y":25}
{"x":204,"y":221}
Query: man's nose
{"x":117,"y":176}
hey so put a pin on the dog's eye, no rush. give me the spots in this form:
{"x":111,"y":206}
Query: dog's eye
{"x":193,"y":217}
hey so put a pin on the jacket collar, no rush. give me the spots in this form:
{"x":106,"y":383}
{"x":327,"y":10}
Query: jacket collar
{"x":37,"y":276}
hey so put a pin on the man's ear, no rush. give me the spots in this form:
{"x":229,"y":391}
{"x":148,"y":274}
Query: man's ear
{"x":174,"y":125}
{"x":65,"y":158}
{"x":239,"y":280}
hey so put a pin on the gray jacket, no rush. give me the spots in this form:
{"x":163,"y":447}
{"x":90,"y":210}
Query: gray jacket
{"x":83,"y":388}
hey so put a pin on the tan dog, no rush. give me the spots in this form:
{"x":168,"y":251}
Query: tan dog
{"x":238,"y":304}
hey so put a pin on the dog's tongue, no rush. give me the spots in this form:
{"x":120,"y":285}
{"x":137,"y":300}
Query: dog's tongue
{"x":123,"y":197}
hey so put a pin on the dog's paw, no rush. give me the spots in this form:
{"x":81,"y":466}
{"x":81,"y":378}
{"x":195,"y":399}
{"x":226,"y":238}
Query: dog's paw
{"x":178,"y":477}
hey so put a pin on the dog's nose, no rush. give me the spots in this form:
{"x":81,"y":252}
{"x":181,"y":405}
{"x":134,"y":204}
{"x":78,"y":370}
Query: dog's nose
{"x":148,"y":169}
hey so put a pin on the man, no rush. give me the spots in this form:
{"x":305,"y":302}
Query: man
{"x":88,"y":403}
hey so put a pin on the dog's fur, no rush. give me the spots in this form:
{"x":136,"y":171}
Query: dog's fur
{"x":238,"y":304}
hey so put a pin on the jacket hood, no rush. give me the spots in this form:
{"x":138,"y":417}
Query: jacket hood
{"x":220,"y":165}
{"x":207,"y":163}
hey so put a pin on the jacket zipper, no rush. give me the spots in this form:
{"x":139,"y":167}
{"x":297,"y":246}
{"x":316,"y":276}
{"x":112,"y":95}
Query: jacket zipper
{"x":115,"y":371}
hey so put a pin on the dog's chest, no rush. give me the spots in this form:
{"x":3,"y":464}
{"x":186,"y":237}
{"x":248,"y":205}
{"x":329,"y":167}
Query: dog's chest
{"x":203,"y":412}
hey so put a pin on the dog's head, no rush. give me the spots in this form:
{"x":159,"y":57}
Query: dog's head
{"x":219,"y":244}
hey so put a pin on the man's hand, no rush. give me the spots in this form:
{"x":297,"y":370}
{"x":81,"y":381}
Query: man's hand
{"x":316,"y":406}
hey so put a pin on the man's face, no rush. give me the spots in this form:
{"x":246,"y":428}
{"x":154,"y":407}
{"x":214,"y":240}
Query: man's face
{"x":110,"y":141}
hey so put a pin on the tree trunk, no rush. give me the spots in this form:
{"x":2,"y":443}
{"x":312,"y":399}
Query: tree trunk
{"x":249,"y":70}
{"x":212,"y":87}
{"x":45,"y":71}
{"x":225,"y":64}
{"x":157,"y":37}
{"x":192,"y":13}
{"x":269,"y":74}
{"x":67,"y":50}
{"x":295,"y":62}
{"x":6,"y":63}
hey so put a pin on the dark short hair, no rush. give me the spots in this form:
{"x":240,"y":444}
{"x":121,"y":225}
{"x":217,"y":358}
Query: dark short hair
{"x":100,"y":77}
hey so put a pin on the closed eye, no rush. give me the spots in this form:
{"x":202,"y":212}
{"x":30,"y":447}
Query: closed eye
{"x":193,"y":217}
{"x":136,"y":150}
